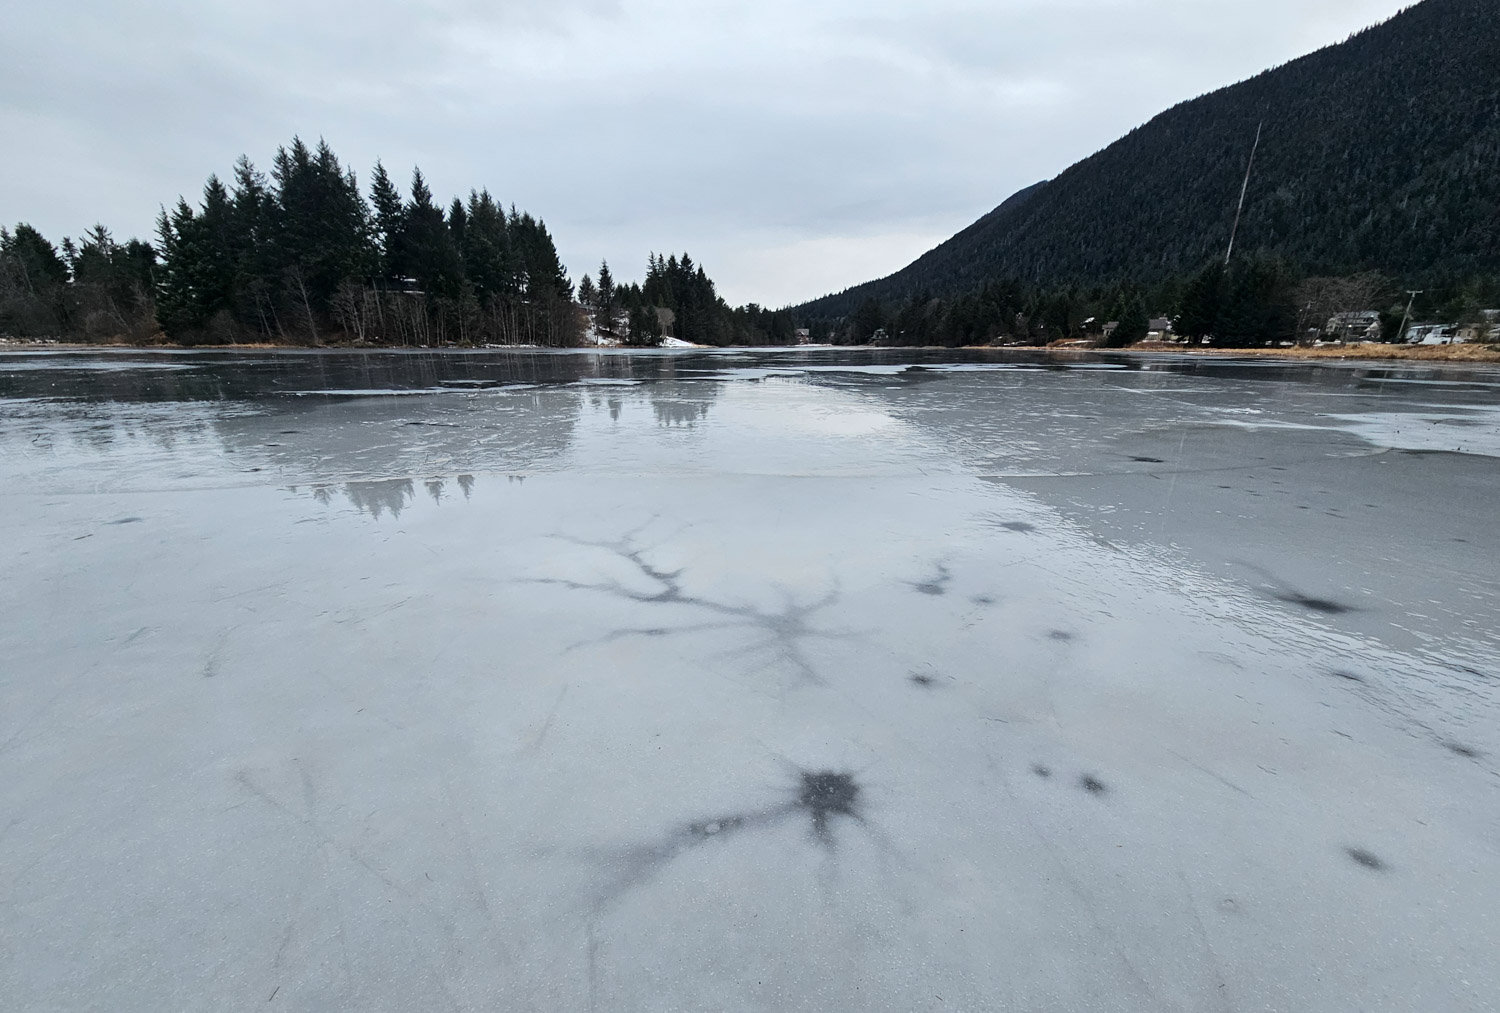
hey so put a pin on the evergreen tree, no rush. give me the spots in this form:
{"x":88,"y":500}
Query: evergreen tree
{"x":1201,"y":303}
{"x":587,"y":295}
{"x":486,"y":249}
{"x":389,"y":221}
{"x":33,"y":284}
{"x":867,"y":321}
{"x":323,"y":233}
{"x":604,"y":301}
{"x":645,"y":325}
{"x":1258,"y":306}
{"x":35,"y":260}
{"x":1133,"y":324}
{"x":431,"y":253}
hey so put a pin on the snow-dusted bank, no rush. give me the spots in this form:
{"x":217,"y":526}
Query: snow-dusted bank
{"x":747,"y":681}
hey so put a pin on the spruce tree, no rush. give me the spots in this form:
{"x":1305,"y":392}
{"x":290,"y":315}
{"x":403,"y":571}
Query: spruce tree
{"x":1201,"y":303}
{"x":604,"y":301}
{"x":389,"y":221}
{"x":1133,"y":325}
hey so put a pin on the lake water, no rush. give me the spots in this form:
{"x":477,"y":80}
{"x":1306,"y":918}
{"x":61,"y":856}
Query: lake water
{"x":796,"y":680}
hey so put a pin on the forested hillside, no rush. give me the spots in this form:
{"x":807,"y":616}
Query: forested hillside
{"x":1378,"y":154}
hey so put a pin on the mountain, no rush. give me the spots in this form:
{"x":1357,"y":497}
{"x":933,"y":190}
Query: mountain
{"x":1380,"y":153}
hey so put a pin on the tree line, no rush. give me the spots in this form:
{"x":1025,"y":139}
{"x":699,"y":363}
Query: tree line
{"x":1256,"y":300}
{"x":304,"y":255}
{"x":677,"y":300}
{"x":301,"y":256}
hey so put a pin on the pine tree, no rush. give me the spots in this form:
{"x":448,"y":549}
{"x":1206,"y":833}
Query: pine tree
{"x":1257,"y":307}
{"x":1201,"y":303}
{"x":389,"y":220}
{"x":604,"y":301}
{"x":1133,"y":324}
{"x":587,"y":295}
{"x":432,"y":255}
{"x":33,"y":284}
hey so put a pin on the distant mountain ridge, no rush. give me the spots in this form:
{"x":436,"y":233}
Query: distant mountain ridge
{"x":1379,"y":153}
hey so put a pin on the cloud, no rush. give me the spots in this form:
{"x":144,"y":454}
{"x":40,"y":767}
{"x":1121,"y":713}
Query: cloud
{"x":793,"y":147}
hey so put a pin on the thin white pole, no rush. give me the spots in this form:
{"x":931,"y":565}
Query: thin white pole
{"x":1243,"y":191}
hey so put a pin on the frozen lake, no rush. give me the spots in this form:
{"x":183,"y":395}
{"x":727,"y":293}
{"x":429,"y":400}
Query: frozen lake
{"x":747,"y":681}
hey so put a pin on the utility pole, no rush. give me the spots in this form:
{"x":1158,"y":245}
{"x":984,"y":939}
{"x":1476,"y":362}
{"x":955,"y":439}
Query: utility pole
{"x":1401,"y":331}
{"x":1243,"y":191}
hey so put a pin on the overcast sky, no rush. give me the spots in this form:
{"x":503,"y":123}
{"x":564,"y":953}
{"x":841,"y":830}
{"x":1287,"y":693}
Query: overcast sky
{"x":794,"y":147}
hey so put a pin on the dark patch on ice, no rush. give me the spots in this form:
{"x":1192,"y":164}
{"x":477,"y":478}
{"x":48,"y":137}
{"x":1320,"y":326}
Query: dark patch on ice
{"x":712,"y":828}
{"x":1062,"y":636}
{"x":1226,"y":487}
{"x":128,"y":520}
{"x":1468,"y":752}
{"x":1021,"y":527}
{"x":982,"y":599}
{"x":1092,"y":785}
{"x":826,"y":794}
{"x":783,"y":636}
{"x":922,"y":679}
{"x":1148,"y":460}
{"x":823,"y":796}
{"x":937,"y":586}
{"x":1324,"y":605}
{"x":1041,"y":770}
{"x":1340,"y":673}
{"x":1229,"y":906}
{"x":1367,"y":859}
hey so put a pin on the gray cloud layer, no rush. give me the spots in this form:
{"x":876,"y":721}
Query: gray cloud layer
{"x":793,"y":147}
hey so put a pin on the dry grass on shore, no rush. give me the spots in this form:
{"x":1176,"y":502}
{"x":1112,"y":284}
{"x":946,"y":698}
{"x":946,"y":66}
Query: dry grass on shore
{"x":1364,"y":350}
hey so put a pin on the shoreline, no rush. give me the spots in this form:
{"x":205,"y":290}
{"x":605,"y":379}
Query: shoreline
{"x":1365,"y":351}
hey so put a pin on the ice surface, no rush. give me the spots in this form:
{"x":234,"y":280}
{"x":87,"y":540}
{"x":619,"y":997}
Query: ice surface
{"x":776,"y":688}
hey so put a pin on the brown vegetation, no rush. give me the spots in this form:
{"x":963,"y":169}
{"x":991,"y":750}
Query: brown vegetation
{"x":1363,"y":350}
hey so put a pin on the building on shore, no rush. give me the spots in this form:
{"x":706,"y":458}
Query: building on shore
{"x":1363,"y":325}
{"x":1433,"y":334}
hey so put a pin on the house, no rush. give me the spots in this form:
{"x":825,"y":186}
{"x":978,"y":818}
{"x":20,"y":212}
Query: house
{"x":803,"y":335}
{"x":1159,"y":329}
{"x":1363,"y":325}
{"x":1432,"y":334}
{"x":1485,"y":330}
